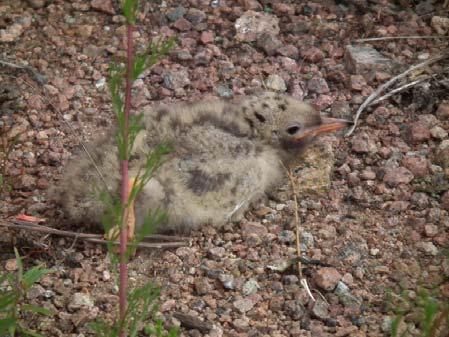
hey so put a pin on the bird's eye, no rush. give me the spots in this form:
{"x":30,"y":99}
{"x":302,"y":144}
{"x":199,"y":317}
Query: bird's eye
{"x":293,"y":129}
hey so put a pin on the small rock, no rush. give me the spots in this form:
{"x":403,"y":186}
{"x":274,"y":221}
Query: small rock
{"x":443,"y":111}
{"x":320,"y":309}
{"x":202,"y":286}
{"x":445,"y":201}
{"x":224,"y":91}
{"x":243,"y":305}
{"x":430,"y":230}
{"x":250,"y":287}
{"x":399,"y":175}
{"x":207,"y":37}
{"x":312,"y":54}
{"x":195,"y":16}
{"x":358,"y":82}
{"x":276,"y":82}
{"x":346,"y":298}
{"x":295,"y":309}
{"x":318,"y":85}
{"x":440,"y":24}
{"x":363,"y":59}
{"x":85,"y":30}
{"x":254,"y":228}
{"x":176,"y":79}
{"x":80,"y":300}
{"x":417,"y":165}
{"x":420,"y":200}
{"x":104,"y":6}
{"x":183,"y":25}
{"x":363,"y":143}
{"x":269,"y":43}
{"x":241,"y":324}
{"x":428,"y":248}
{"x":252,"y":24}
{"x":227,"y":280}
{"x":216,"y":252}
{"x":417,"y":133}
{"x":438,"y":132}
{"x":289,"y":51}
{"x":36,"y":4}
{"x":327,"y":278}
{"x":176,"y":13}
{"x":35,"y":291}
{"x":287,"y":236}
{"x":25,"y":182}
{"x":290,"y":279}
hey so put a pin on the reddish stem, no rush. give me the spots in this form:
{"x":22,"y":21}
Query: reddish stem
{"x":123,"y":266}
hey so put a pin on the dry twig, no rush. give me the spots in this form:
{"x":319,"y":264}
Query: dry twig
{"x":389,"y":38}
{"x":388,"y":84}
{"x":95,"y":238}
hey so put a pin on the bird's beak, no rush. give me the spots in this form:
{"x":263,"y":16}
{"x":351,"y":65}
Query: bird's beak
{"x":327,"y":125}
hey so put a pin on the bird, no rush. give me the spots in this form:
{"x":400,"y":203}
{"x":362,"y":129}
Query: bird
{"x":226,"y":156}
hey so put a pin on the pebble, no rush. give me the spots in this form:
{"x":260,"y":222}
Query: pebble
{"x":428,"y":247}
{"x":243,"y":305}
{"x":396,"y":176}
{"x":250,"y":287}
{"x":276,"y":83}
{"x":80,"y":300}
{"x":318,"y":85}
{"x":227,"y":280}
{"x":438,"y":132}
{"x":224,"y":91}
{"x":417,"y":132}
{"x":252,"y":24}
{"x":327,"y":278}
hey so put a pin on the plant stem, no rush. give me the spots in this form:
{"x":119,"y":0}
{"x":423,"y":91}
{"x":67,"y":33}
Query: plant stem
{"x":123,"y":266}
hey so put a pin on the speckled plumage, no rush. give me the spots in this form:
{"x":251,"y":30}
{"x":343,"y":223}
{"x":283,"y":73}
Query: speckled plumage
{"x":226,"y":156}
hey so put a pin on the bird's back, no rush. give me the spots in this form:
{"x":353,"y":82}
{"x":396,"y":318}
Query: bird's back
{"x":217,"y":167}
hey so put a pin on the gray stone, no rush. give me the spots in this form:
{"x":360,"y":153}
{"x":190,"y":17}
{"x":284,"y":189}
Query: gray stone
{"x":80,"y":300}
{"x":176,"y":13}
{"x":243,"y":305}
{"x":176,"y":79}
{"x":364,"y":59}
{"x":269,"y":43}
{"x":252,"y":24}
{"x":318,"y":85}
{"x":227,"y":280}
{"x":250,"y":287}
{"x":224,"y":91}
{"x":276,"y":82}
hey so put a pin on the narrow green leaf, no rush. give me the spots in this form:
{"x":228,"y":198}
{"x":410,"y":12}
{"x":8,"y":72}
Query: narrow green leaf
{"x":19,"y":265}
{"x":6,"y":324}
{"x":27,"y":332}
{"x":33,"y":275}
{"x":36,"y":309}
{"x":7,"y":299}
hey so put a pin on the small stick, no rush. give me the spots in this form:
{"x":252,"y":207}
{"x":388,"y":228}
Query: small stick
{"x":388,"y":84}
{"x":388,"y":38}
{"x":37,"y":76}
{"x":400,"y":89}
{"x":94,"y":238}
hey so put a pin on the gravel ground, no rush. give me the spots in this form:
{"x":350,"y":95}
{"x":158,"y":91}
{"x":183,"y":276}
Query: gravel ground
{"x":373,"y":206}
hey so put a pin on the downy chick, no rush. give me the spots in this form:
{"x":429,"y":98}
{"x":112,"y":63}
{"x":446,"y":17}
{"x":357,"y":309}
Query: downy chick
{"x":225,"y":157}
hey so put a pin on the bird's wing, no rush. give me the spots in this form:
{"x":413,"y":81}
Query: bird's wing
{"x":214,"y":174}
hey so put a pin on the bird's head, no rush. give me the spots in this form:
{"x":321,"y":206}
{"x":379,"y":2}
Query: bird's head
{"x":286,"y":122}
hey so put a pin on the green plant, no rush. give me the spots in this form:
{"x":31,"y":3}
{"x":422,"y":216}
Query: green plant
{"x":141,"y":305}
{"x":430,"y":313}
{"x":136,"y":307}
{"x":13,"y":288}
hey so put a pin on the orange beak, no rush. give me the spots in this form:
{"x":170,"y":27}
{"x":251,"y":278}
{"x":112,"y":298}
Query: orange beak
{"x":327,"y":125}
